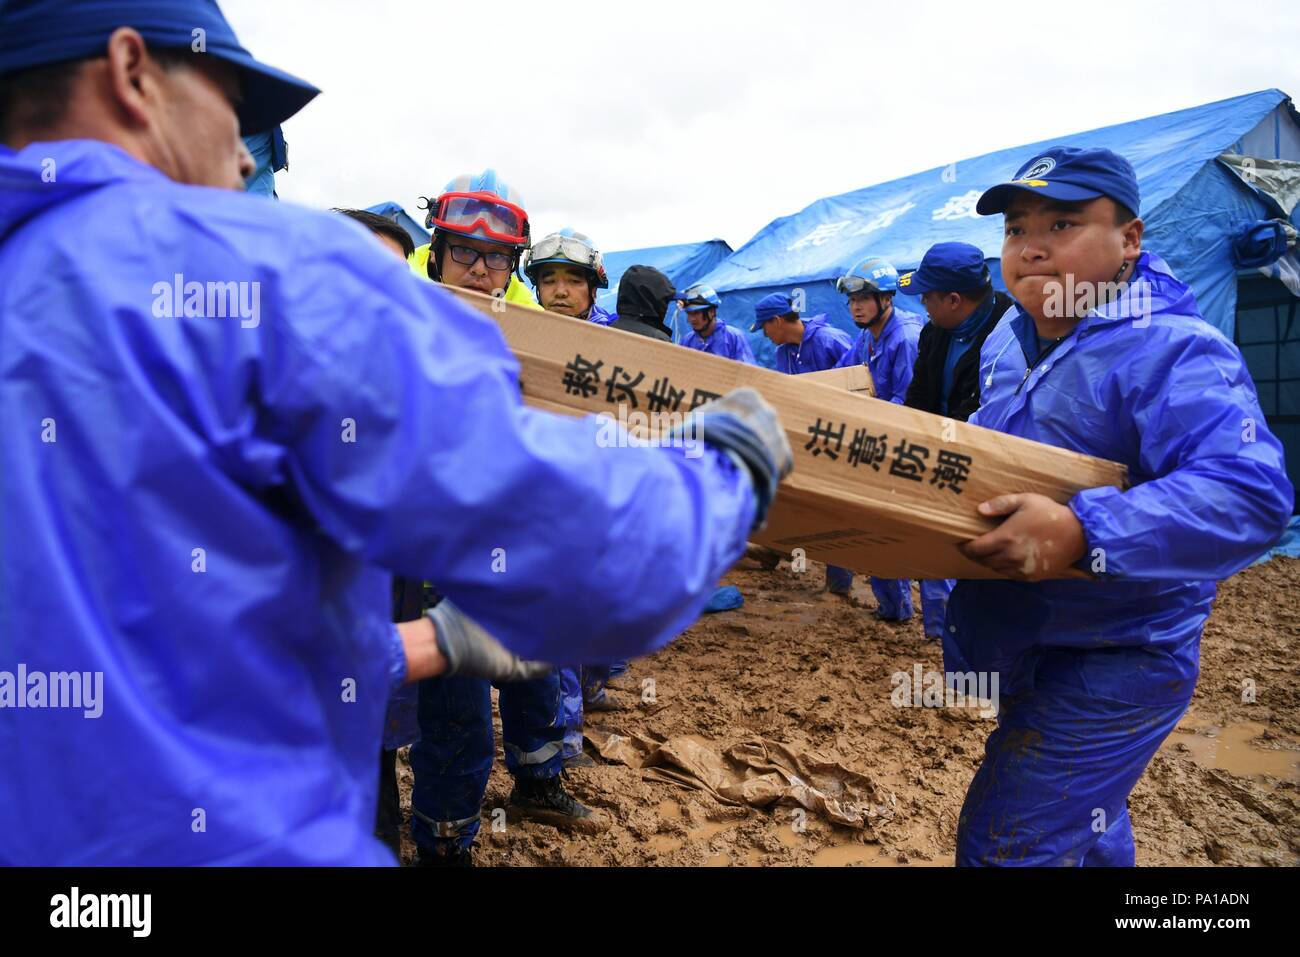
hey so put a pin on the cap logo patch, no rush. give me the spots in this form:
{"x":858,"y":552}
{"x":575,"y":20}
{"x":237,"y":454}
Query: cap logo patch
{"x":1040,"y":168}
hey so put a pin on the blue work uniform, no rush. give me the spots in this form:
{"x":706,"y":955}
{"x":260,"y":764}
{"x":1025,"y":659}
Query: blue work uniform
{"x":820,"y":348}
{"x":601,"y":317}
{"x":1094,"y":674}
{"x":225,"y":432}
{"x":726,"y":341}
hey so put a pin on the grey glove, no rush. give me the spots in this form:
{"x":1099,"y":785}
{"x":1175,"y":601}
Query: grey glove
{"x":472,"y":652}
{"x":742,"y":424}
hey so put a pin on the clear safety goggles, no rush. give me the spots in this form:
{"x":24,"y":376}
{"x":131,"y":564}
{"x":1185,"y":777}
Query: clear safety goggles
{"x":852,"y":285}
{"x":486,"y":213}
{"x":564,"y":247}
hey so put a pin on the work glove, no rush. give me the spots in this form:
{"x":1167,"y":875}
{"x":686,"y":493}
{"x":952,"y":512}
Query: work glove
{"x":473,"y":653}
{"x":743,"y":425}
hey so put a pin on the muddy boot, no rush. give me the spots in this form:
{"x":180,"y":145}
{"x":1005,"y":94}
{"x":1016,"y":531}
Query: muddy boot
{"x":445,"y":856}
{"x":546,"y":801}
{"x":605,"y":703}
{"x":579,"y":760}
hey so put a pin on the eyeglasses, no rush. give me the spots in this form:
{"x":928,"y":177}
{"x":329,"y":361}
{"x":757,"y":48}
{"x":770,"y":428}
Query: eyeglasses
{"x":469,"y":213}
{"x":468,"y":256}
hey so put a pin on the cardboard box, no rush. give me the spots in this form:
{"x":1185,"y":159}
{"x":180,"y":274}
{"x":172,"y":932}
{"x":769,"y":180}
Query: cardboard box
{"x":851,"y":379}
{"x":876,"y":487}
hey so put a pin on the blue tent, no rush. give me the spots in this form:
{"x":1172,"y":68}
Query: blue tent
{"x":1194,"y":197}
{"x":684,"y":263}
{"x":1190,"y":202}
{"x":397,"y":214}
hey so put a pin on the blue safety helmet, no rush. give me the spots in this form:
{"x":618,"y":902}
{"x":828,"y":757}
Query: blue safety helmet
{"x":698,"y":297}
{"x":871,"y":275}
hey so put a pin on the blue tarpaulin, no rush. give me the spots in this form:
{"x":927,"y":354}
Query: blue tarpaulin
{"x":684,"y":263}
{"x":1190,"y":202}
{"x":397,"y":214}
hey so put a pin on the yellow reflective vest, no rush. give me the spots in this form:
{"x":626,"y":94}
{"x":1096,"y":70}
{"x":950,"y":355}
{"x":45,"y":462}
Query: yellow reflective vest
{"x":516,"y":291}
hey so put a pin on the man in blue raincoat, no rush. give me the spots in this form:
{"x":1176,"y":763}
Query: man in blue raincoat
{"x":802,"y":345}
{"x":1104,"y":353}
{"x":227,"y":429}
{"x":887,"y":346}
{"x":707,"y":333}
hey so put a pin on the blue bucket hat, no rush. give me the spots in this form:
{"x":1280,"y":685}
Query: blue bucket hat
{"x":37,"y":33}
{"x":769,"y":307}
{"x":947,"y":267}
{"x":1068,"y":174}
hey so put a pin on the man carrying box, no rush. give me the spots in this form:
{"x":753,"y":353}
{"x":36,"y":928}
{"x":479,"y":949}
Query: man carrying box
{"x":802,"y":345}
{"x":1106,"y":353}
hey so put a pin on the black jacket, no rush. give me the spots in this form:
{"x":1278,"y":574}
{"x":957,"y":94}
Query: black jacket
{"x":927,"y":376}
{"x":643,"y":296}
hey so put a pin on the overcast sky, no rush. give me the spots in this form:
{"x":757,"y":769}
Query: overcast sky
{"x":665,"y":122}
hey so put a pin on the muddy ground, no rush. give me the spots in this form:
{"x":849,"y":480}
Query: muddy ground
{"x":812,"y":670}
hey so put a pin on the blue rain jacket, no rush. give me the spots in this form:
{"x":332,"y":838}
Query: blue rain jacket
{"x":207,"y":510}
{"x":601,"y":317}
{"x":726,"y":341}
{"x":1160,"y":390}
{"x":891,"y":358}
{"x":821,"y":348}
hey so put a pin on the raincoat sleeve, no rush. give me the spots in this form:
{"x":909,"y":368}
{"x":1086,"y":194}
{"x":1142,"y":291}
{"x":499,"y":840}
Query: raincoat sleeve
{"x":902,"y":362}
{"x":1220,"y":496}
{"x":854,"y":354}
{"x":405,"y":439}
{"x":741,"y":351}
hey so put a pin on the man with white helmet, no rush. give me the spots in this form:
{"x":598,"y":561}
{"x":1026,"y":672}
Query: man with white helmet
{"x":707,"y":334}
{"x":566,"y":269}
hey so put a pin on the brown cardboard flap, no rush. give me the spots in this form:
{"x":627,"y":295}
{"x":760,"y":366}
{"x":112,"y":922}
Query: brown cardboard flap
{"x":851,"y":379}
{"x":877,"y":487}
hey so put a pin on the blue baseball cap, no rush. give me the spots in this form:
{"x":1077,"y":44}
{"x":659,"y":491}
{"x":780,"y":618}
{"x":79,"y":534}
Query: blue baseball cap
{"x":947,"y":267}
{"x":1069,"y":174}
{"x":769,"y":307}
{"x":37,"y":33}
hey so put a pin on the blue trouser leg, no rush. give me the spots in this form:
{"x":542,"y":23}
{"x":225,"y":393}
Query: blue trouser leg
{"x":894,"y":597}
{"x":451,"y":761}
{"x":619,"y":667}
{"x":838,"y":580}
{"x":532,"y":724}
{"x":593,"y":682}
{"x":1057,"y":772}
{"x":934,"y":604}
{"x":571,"y":691}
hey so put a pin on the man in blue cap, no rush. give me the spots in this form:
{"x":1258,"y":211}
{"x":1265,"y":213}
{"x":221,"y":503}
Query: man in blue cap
{"x":1104,"y":353}
{"x":228,"y":429}
{"x":956,"y":289}
{"x":707,"y":333}
{"x":887,"y":346}
{"x":802,"y":345}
